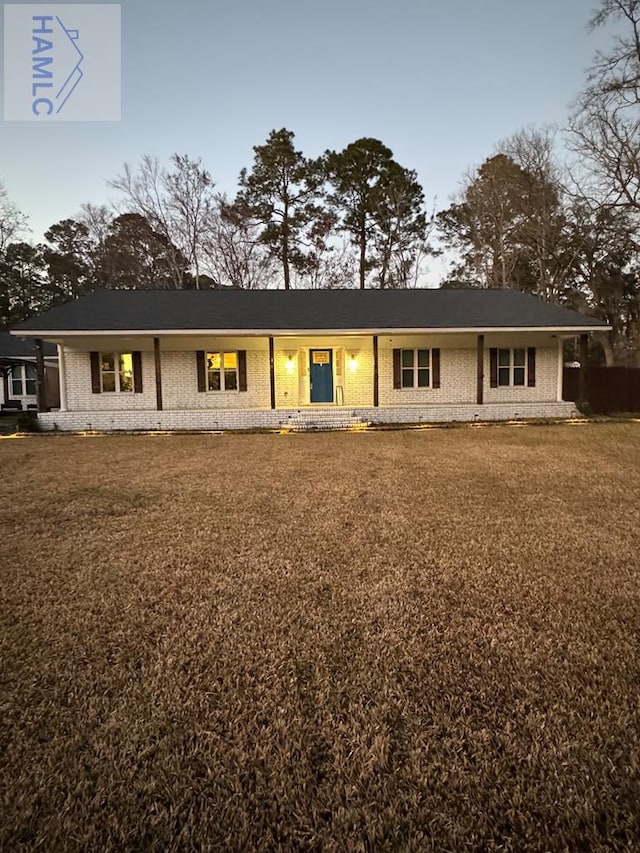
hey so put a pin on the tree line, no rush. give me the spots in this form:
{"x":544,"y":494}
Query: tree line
{"x":566,"y":230}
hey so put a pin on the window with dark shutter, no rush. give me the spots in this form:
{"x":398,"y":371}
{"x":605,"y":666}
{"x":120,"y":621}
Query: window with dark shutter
{"x":435,"y":368}
{"x":397,"y":368}
{"x":531,"y":367}
{"x":95,"y":372}
{"x":137,"y":372}
{"x":493,"y":367}
{"x":242,"y":370}
{"x":202,"y":370}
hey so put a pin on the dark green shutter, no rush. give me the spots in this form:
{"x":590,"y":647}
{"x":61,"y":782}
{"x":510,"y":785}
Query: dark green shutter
{"x":242,"y":370}
{"x":202,"y":373}
{"x":435,"y":368}
{"x":95,"y":372}
{"x":493,"y":367}
{"x":397,"y":369}
{"x":531,"y":367}
{"x":137,"y":372}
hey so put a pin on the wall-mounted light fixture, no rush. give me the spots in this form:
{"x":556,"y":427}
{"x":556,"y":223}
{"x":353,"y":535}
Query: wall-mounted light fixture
{"x":290,"y":363}
{"x":353,"y":363}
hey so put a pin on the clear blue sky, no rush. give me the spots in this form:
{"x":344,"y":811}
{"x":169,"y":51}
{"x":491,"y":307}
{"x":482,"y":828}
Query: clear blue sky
{"x":438,"y":81}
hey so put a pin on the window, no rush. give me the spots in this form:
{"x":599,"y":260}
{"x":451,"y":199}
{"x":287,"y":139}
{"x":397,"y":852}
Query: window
{"x":512,"y":367}
{"x":23,"y":380}
{"x":415,"y":368}
{"x":116,"y":372}
{"x":222,"y":371}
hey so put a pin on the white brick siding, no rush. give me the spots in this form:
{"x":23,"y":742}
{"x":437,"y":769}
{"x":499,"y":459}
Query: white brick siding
{"x":80,"y":397}
{"x":180,"y":384}
{"x":457,"y":380}
{"x":353,"y":363}
{"x":291,"y":364}
{"x":546,"y":387}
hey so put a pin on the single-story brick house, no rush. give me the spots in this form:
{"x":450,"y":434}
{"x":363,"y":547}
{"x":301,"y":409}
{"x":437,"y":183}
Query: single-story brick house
{"x":217,"y":359}
{"x":18,"y":374}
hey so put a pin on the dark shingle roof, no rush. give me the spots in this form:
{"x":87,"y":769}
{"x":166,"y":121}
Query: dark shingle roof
{"x":257,"y":310}
{"x":12,"y":347}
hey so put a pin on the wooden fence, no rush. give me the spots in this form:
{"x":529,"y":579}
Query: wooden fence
{"x":608,"y":389}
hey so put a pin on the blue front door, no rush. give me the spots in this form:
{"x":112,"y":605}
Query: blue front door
{"x":321,"y":375}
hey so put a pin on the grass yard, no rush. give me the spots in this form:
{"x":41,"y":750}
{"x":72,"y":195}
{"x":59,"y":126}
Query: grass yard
{"x":419,"y":640}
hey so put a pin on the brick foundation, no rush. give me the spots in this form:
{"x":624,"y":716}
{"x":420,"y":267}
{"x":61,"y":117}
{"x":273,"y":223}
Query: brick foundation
{"x":308,"y":418}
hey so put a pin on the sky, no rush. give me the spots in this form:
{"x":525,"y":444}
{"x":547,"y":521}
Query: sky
{"x":437,"y":81}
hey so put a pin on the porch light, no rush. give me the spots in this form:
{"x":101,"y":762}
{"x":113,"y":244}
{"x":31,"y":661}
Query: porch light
{"x":289,"y":363}
{"x":353,"y":363}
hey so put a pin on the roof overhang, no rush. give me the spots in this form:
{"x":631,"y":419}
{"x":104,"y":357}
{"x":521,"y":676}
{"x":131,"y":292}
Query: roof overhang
{"x":262,"y":333}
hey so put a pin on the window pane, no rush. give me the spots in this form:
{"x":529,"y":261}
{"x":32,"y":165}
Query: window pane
{"x":503,"y":358}
{"x":423,"y":358}
{"x":407,"y":358}
{"x":108,"y":361}
{"x":16,"y":387}
{"x":518,"y":375}
{"x":230,"y":380}
{"x":518,"y":357}
{"x":126,"y":372}
{"x":423,"y":377}
{"x":407,"y":378}
{"x":108,"y":382}
{"x":31,"y":386}
{"x":231,"y":360}
{"x":32,"y":373}
{"x":213,"y":380}
{"x":213,"y":360}
{"x":503,"y":376}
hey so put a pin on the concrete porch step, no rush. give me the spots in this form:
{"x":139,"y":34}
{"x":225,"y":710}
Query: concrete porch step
{"x":319,"y":419}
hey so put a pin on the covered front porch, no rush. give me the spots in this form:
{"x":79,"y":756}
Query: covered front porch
{"x":240,"y":381}
{"x":218,"y":373}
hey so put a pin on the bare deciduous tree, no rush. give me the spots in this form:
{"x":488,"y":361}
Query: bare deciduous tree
{"x":233,"y":253}
{"x":12,"y":221}
{"x":97,"y":218}
{"x":542,"y":231}
{"x":605,"y":124}
{"x":176,"y":204}
{"x":190,"y":191}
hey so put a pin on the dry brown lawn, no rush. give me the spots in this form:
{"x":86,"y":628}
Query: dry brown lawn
{"x":419,"y":640}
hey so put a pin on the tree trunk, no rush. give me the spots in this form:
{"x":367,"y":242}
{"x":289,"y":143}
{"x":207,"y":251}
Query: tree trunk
{"x":363,"y":255}
{"x":285,"y":246}
{"x":287,"y":276}
{"x":607,"y":348}
{"x":197,"y":271}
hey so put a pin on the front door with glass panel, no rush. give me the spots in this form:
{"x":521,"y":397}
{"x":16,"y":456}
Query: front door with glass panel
{"x":321,"y":375}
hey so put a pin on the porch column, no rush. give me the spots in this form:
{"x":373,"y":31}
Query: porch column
{"x":272,"y":373}
{"x":560,"y":389}
{"x":375,"y":371}
{"x":62,"y":379}
{"x":480,"y":371}
{"x":582,"y":377}
{"x":40,"y":381}
{"x":158,"y":363}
